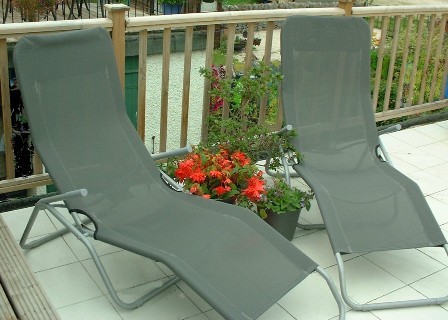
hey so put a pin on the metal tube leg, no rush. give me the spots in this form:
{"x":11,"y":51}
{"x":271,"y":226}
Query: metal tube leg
{"x":334,"y":291}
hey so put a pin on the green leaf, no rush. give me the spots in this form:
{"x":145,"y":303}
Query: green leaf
{"x":263,"y":214}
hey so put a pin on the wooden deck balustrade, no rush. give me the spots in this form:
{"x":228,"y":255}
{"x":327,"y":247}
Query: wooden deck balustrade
{"x":409,"y":51}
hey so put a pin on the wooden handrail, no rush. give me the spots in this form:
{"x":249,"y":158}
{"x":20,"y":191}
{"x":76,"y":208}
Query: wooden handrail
{"x":399,"y":18}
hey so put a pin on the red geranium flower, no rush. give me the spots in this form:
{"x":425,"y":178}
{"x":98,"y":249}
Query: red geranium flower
{"x":221,"y":175}
{"x":255,"y":189}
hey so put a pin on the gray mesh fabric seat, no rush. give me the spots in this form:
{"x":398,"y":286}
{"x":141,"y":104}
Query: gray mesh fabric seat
{"x":102,"y":170}
{"x":366,"y":204}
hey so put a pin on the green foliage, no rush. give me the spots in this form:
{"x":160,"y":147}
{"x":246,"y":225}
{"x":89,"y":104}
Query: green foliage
{"x":241,"y":130}
{"x":31,"y":9}
{"x":410,"y":96}
{"x":281,"y":198}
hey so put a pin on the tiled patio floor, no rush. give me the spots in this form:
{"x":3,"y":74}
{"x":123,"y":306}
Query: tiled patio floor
{"x":69,"y":278}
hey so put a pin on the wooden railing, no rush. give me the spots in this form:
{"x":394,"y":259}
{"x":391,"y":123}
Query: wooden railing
{"x":410,"y":55}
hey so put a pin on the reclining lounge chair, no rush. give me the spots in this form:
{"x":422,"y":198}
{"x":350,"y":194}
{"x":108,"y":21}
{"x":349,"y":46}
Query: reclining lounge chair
{"x":366,"y":204}
{"x":103,"y":171}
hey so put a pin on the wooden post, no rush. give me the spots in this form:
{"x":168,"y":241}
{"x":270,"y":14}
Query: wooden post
{"x":116,"y":12}
{"x":142,"y":53}
{"x":347,"y":5}
{"x":6,"y":110}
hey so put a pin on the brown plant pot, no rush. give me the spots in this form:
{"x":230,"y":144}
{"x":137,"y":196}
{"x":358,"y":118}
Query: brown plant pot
{"x":284,"y":223}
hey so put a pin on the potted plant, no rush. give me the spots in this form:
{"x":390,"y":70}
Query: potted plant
{"x":239,"y":44}
{"x":281,"y":206}
{"x":256,"y":41}
{"x":241,"y":129}
{"x":219,"y":175}
{"x":171,"y":6}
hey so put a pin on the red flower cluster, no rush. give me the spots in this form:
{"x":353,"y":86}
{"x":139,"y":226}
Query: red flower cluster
{"x":221,"y":175}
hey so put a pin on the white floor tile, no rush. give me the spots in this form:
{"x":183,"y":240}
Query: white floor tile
{"x":403,"y":166}
{"x":434,"y":131}
{"x":44,"y":257}
{"x":427,"y":182}
{"x":213,"y":315}
{"x":420,"y":159}
{"x":438,"y":208}
{"x":433,"y":286}
{"x":438,"y":253}
{"x":201,"y":316}
{"x":311,"y":299}
{"x":441,"y":196}
{"x":80,"y":250}
{"x":440,"y":171}
{"x":393,"y":144}
{"x":68,"y":285}
{"x":414,"y":138}
{"x":443,"y":124}
{"x":365,"y":280}
{"x":437,"y":149}
{"x":313,"y":215}
{"x":317,"y":246}
{"x":276,"y":312}
{"x":125,"y":269}
{"x":98,"y":308}
{"x":194,"y":297}
{"x":406,"y":265}
{"x":18,"y":219}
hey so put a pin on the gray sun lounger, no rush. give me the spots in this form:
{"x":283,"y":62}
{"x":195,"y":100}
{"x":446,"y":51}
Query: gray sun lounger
{"x":102,"y":170}
{"x":366,"y":204}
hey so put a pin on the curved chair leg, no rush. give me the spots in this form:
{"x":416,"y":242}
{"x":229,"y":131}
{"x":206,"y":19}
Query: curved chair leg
{"x":382,"y":305}
{"x":334,"y":291}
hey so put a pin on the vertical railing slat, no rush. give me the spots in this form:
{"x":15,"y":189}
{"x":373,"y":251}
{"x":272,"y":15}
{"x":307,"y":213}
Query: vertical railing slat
{"x":116,"y":13}
{"x":436,"y":58}
{"x":418,"y":47}
{"x":379,"y":64}
{"x":38,"y":167}
{"x":247,"y":65}
{"x":421,"y":96}
{"x":6,"y":110}
{"x":186,"y":86}
{"x":165,"y":89}
{"x":372,"y":25}
{"x":249,"y":46}
{"x":229,"y":64}
{"x":404,"y":62}
{"x":206,"y":94}
{"x":267,"y":61}
{"x":393,"y":54}
{"x":141,"y":109}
